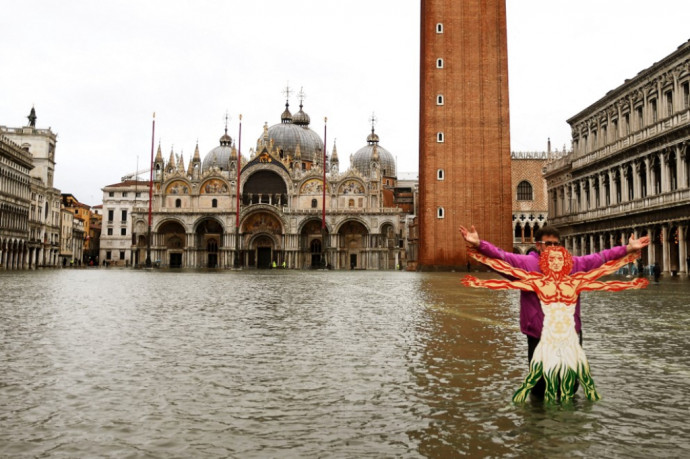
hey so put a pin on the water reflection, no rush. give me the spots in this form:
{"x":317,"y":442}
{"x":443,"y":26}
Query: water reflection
{"x":307,"y":364}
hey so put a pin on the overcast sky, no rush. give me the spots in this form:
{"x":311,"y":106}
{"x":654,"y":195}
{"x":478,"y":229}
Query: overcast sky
{"x":96,"y":71}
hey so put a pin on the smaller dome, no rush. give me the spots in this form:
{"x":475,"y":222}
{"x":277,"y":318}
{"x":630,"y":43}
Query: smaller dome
{"x":219,"y":156}
{"x":301,"y":118}
{"x":226,"y":140}
{"x":361,"y":160}
{"x":286,"y":117}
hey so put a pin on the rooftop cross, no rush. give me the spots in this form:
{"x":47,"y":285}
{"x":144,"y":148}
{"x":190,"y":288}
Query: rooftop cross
{"x":287,"y":92}
{"x":301,"y":96}
{"x":373,"y":121}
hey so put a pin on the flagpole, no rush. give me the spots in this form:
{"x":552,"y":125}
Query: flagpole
{"x":237,"y":192}
{"x":323,"y":203}
{"x":148,"y":236}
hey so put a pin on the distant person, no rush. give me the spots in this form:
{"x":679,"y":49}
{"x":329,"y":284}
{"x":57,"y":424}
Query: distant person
{"x":657,"y":272}
{"x":284,"y":265}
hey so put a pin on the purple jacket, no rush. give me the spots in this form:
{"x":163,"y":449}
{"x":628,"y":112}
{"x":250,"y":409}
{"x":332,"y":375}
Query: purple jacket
{"x":531,"y":315}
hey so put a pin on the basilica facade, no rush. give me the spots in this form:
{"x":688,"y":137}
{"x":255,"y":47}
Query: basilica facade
{"x":267,"y":209}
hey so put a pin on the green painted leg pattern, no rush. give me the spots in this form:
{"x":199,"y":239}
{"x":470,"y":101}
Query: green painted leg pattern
{"x":536,"y":369}
{"x":551,"y":392}
{"x":587,"y":382}
{"x":568,"y":379}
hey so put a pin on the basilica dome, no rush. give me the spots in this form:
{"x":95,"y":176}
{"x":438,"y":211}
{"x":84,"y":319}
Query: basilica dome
{"x":362,"y":158}
{"x":294,"y":130}
{"x":219,"y":156}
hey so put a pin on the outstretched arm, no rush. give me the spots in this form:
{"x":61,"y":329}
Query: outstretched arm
{"x":496,"y":284}
{"x":607,"y":268}
{"x":614,"y":286}
{"x":499,"y":265}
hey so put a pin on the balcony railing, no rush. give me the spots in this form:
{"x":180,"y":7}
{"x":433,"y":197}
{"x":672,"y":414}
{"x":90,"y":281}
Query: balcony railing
{"x":579,"y":160}
{"x":649,"y":203}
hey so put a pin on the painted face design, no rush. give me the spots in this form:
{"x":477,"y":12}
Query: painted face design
{"x":556,"y":261}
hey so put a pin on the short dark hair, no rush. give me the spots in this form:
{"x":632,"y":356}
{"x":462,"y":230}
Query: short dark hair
{"x":546,"y":231}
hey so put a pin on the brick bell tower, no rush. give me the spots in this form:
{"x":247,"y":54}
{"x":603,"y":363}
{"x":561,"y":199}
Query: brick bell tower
{"x":464,"y":129}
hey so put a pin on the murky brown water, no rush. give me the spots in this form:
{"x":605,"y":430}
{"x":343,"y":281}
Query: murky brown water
{"x":116,"y":363}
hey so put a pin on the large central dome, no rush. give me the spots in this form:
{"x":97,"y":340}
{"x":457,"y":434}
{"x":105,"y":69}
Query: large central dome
{"x":293,"y":131}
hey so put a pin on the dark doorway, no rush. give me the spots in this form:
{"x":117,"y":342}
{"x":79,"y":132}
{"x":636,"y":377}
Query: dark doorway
{"x":263,"y":257}
{"x":315,"y":253}
{"x":175,"y":260}
{"x":353,"y":261}
{"x":212,"y":260}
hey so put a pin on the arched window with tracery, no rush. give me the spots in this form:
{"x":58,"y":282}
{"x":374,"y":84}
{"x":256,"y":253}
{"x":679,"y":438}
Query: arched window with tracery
{"x":524,"y":191}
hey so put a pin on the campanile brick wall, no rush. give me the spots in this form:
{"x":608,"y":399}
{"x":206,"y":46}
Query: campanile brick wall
{"x":474,"y":120}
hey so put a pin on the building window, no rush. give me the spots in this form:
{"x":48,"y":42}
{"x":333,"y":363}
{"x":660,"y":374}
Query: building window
{"x":440,"y":213}
{"x":686,"y":94}
{"x":655,"y":113}
{"x":351,"y":203}
{"x":110,"y":231}
{"x":440,"y":175}
{"x":615,"y":129}
{"x":123,"y":231}
{"x":626,"y":124}
{"x":108,"y":255}
{"x":439,"y":99}
{"x":439,"y":63}
{"x":640,"y":118}
{"x":524,"y":191}
{"x":124,"y":194}
{"x":669,"y":103}
{"x":137,"y":194}
{"x":314,"y":203}
{"x":439,"y":137}
{"x":439,"y":28}
{"x":178,"y":203}
{"x":214,"y":203}
{"x":122,"y":254}
{"x":111,"y":215}
{"x":111,"y":194}
{"x":124,"y":215}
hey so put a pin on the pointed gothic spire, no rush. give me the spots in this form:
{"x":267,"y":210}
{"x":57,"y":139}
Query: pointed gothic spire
{"x":171,"y":161}
{"x":159,"y":154}
{"x":334,"y":153}
{"x":180,"y":164}
{"x":196,"y":157}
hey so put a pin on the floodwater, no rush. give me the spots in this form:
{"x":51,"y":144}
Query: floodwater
{"x":123,"y":363}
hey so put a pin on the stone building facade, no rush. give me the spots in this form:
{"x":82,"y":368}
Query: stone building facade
{"x":530,"y":204}
{"x":196,"y":223}
{"x":464,"y":135}
{"x":15,"y":204}
{"x":43,"y":244}
{"x":629,"y":170}
{"x":119,"y":201}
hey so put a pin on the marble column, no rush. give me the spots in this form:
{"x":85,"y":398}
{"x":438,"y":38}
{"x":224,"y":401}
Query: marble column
{"x":682,"y":249}
{"x":665,"y":249}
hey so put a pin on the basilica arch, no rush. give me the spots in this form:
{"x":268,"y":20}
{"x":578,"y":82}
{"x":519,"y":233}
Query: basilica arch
{"x":265,"y":185}
{"x":171,"y":242}
{"x":312,"y":246}
{"x":353,"y":244}
{"x":208,"y":244}
{"x":262,"y":234}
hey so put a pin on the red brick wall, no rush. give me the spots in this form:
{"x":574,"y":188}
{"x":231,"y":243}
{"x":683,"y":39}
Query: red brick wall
{"x":475,"y":156}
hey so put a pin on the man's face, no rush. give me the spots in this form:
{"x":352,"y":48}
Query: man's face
{"x":547,"y":241}
{"x":556,"y":261}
